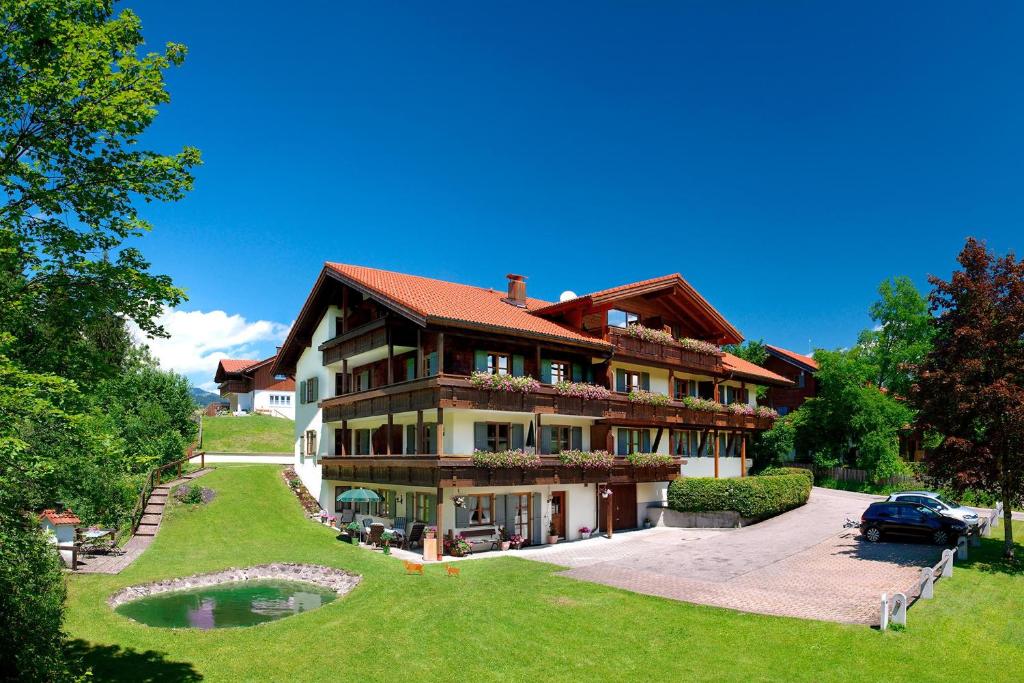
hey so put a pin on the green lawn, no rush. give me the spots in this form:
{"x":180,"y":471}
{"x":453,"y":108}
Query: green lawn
{"x":248,"y":434}
{"x":510,"y":619}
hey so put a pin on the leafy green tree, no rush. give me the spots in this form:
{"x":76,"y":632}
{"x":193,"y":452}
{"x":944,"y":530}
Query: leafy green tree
{"x":752,"y":350}
{"x":902,"y":336}
{"x":75,"y":96}
{"x":773,"y":446}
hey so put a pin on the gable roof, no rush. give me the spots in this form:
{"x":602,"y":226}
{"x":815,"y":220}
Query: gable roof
{"x":235,"y":365}
{"x":748,"y":370}
{"x":65,"y":517}
{"x":675,"y":282}
{"x":803,"y":362}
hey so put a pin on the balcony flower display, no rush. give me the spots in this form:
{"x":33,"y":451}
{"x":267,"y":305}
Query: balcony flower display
{"x":698,"y":346}
{"x":649,"y":398}
{"x":582,"y":390}
{"x":506,"y":459}
{"x":649,"y":334}
{"x":741,"y":409}
{"x":765,"y":411}
{"x":649,"y":459}
{"x":491,"y":382}
{"x":705,"y":405}
{"x":588,"y":460}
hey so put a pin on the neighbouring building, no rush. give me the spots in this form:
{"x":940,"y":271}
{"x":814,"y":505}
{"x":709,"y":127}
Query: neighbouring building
{"x":60,"y":526}
{"x":799,"y":370}
{"x":395,"y":393}
{"x":253,"y":386}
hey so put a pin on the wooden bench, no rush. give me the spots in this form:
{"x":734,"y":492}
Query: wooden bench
{"x":482,"y":536}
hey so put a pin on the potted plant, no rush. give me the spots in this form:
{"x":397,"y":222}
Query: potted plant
{"x":458,"y":546}
{"x":552,"y":533}
{"x":584,"y":532}
{"x":516,"y":541}
{"x":353,"y":532}
{"x":647,"y":523}
{"x":506,"y":542}
{"x":430,"y":533}
{"x":385,"y":542}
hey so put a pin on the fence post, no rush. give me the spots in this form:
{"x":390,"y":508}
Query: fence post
{"x":202,"y":460}
{"x":961,"y":548}
{"x":999,"y":513}
{"x":899,"y":612}
{"x":883,"y":617}
{"x":927,"y":583}
{"x":947,"y":563}
{"x":975,"y":538}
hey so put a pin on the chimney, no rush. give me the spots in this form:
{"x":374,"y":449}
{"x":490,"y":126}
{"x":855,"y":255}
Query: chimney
{"x":516,"y":290}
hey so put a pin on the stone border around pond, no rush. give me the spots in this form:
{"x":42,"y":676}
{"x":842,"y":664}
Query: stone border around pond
{"x":337,"y":580}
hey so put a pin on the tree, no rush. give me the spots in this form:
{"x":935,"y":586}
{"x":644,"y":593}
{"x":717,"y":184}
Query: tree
{"x":74,"y":99}
{"x":773,"y":446}
{"x":901,"y":338}
{"x":971,"y":384}
{"x":752,"y":350}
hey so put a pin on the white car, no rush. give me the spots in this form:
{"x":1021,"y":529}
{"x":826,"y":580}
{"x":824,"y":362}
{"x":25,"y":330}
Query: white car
{"x":939,"y":504}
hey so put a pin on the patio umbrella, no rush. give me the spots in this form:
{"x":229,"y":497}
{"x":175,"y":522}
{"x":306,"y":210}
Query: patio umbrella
{"x":358,"y":496}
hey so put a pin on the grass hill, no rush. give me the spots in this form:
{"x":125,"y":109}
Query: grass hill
{"x":202,"y":397}
{"x":248,"y":434}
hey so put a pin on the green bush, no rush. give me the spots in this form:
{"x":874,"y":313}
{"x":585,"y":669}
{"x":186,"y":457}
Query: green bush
{"x":758,"y":497}
{"x":774,"y":471}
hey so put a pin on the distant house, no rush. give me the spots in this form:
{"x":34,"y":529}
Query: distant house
{"x":251,"y":386}
{"x":797,"y":368}
{"x":60,"y":527}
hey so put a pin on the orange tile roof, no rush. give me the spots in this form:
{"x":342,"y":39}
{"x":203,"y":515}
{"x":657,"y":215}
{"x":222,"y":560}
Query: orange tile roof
{"x":236,"y":365}
{"x":806,"y":360}
{"x":743,"y":367}
{"x":66,"y":517}
{"x":450,"y":302}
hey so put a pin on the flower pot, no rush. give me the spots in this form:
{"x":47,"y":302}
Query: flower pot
{"x":585,"y":535}
{"x":647,"y":524}
{"x":505,"y":545}
{"x":552,"y":540}
{"x":517,"y":546}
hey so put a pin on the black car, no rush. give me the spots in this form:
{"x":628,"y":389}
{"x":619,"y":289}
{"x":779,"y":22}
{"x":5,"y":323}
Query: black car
{"x":892,"y":518}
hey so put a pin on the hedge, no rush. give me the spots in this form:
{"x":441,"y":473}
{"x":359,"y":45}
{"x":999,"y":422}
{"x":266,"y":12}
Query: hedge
{"x":773,"y":470}
{"x":752,"y":497}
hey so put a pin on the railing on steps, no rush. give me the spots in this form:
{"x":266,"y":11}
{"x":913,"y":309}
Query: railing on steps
{"x":154,"y":478}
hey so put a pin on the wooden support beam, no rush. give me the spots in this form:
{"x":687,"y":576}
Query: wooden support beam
{"x":439,"y":429}
{"x":419,"y":353}
{"x":419,"y":446}
{"x":440,"y":353}
{"x":538,"y":364}
{"x":440,"y":523}
{"x":536,"y":433}
{"x":344,"y":311}
{"x":344,"y":437}
{"x":716,"y":445}
{"x":743,"y":455}
{"x":391,"y":352}
{"x":671,"y":383}
{"x":344,"y":388}
{"x":657,"y":440}
{"x":716,"y":394}
{"x":391,"y":423}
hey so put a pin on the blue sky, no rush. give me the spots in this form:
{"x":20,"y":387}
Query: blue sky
{"x":784,"y":157}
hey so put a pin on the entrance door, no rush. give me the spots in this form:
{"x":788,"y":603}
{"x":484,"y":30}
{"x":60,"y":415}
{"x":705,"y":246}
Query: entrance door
{"x":558,"y":512}
{"x":623,"y":502}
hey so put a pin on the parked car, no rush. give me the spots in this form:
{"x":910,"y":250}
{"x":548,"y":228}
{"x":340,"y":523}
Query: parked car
{"x":939,"y":504}
{"x":898,"y":518}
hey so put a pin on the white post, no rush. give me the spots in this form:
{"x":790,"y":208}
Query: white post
{"x":986,"y":528}
{"x":927,"y":583}
{"x":883,"y":617}
{"x":961,"y":548}
{"x":947,"y":563}
{"x":899,"y":612}
{"x":999,"y":513}
{"x":975,"y":539}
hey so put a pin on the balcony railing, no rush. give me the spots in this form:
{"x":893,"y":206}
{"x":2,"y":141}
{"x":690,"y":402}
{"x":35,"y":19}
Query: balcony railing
{"x":234,"y":386}
{"x":454,"y":471}
{"x":664,"y":353}
{"x":366,"y":337}
{"x":458,"y":392}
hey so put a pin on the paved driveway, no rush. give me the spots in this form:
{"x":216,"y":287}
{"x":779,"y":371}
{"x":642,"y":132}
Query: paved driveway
{"x":800,"y":564}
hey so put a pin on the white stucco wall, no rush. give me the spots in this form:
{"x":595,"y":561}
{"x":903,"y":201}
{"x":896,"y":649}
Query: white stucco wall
{"x":308,"y":416}
{"x":705,"y":467}
{"x":261,"y":401}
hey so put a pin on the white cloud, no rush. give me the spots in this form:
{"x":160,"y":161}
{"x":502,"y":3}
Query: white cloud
{"x":199,"y":339}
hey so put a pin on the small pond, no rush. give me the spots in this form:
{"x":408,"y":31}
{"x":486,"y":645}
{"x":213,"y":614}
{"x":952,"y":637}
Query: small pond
{"x":227,"y":605}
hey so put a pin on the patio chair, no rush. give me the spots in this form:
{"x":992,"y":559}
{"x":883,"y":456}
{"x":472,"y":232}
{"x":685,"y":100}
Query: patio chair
{"x":376,"y":529}
{"x":415,"y":536}
{"x":346,"y":517}
{"x":400,"y":523}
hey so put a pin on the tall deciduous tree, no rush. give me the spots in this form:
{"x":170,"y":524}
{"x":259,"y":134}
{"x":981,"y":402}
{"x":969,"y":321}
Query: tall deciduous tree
{"x":901,"y":338}
{"x":75,"y":95}
{"x":971,"y":385}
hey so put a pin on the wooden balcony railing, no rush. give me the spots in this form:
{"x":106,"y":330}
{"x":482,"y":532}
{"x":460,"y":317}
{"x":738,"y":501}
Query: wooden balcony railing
{"x":453,"y":471}
{"x":234,"y":386}
{"x":366,"y":337}
{"x":458,"y":392}
{"x":665,"y":354}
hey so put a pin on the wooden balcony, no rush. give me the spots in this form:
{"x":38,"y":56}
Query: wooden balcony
{"x":669,"y":355}
{"x":364,"y":338}
{"x":453,"y":471}
{"x":233,"y":386}
{"x":458,"y":392}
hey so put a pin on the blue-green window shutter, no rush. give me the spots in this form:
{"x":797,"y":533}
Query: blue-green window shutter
{"x":577,"y":372}
{"x":577,"y":438}
{"x":410,"y":368}
{"x":545,"y":371}
{"x":645,"y":381}
{"x":302,"y":391}
{"x":623,"y":441}
{"x":545,"y":439}
{"x":590,"y":373}
{"x":645,"y":440}
{"x":480,"y":436}
{"x":432,"y":363}
{"x":429,"y":437}
{"x":620,"y":379}
{"x":480,"y":361}
{"x":410,"y":439}
{"x":518,"y":366}
{"x":517,"y":436}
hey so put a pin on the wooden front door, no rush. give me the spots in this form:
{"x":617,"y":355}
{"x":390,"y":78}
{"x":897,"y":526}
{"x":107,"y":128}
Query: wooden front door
{"x":623,"y":502}
{"x":558,"y":511}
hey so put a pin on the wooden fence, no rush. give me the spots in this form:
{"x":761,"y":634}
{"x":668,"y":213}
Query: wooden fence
{"x":852,"y":474}
{"x":154,"y":478}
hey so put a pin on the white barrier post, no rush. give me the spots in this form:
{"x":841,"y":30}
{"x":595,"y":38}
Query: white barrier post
{"x":986,"y":528}
{"x":883,"y":618}
{"x":961,"y":548}
{"x":999,"y":513}
{"x":899,"y":612}
{"x":947,"y":562}
{"x":927,"y":583}
{"x":975,"y":539}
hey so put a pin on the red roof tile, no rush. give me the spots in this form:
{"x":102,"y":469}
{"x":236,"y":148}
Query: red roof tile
{"x":450,"y":302}
{"x":805,"y":360}
{"x":65,"y":517}
{"x":236,"y":365}
{"x":746,"y":368}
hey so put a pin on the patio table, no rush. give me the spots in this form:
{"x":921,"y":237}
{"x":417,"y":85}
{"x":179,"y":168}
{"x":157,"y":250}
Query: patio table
{"x":94,"y":534}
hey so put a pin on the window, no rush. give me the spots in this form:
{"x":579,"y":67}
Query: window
{"x":362,"y":445}
{"x":783,"y":410}
{"x":632,"y":381}
{"x":362,"y":380}
{"x":683,"y":442}
{"x":498,"y":436}
{"x":280,"y":378}
{"x":561,"y":439}
{"x":684,"y":388}
{"x":633,"y":441}
{"x":560,"y":372}
{"x":311,"y":389}
{"x":617,"y":318}
{"x":426,"y":508}
{"x":479,"y":511}
{"x":311,"y":442}
{"x":801,"y":381}
{"x":339,"y":506}
{"x":498,"y":363}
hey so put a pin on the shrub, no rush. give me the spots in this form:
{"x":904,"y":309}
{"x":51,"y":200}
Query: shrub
{"x":649,"y":398}
{"x":774,"y":471}
{"x":505,"y":459}
{"x":754,"y":497}
{"x":581,"y":390}
{"x":649,"y":459}
{"x":588,"y":460}
{"x":193,"y":494}
{"x":491,"y":382}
